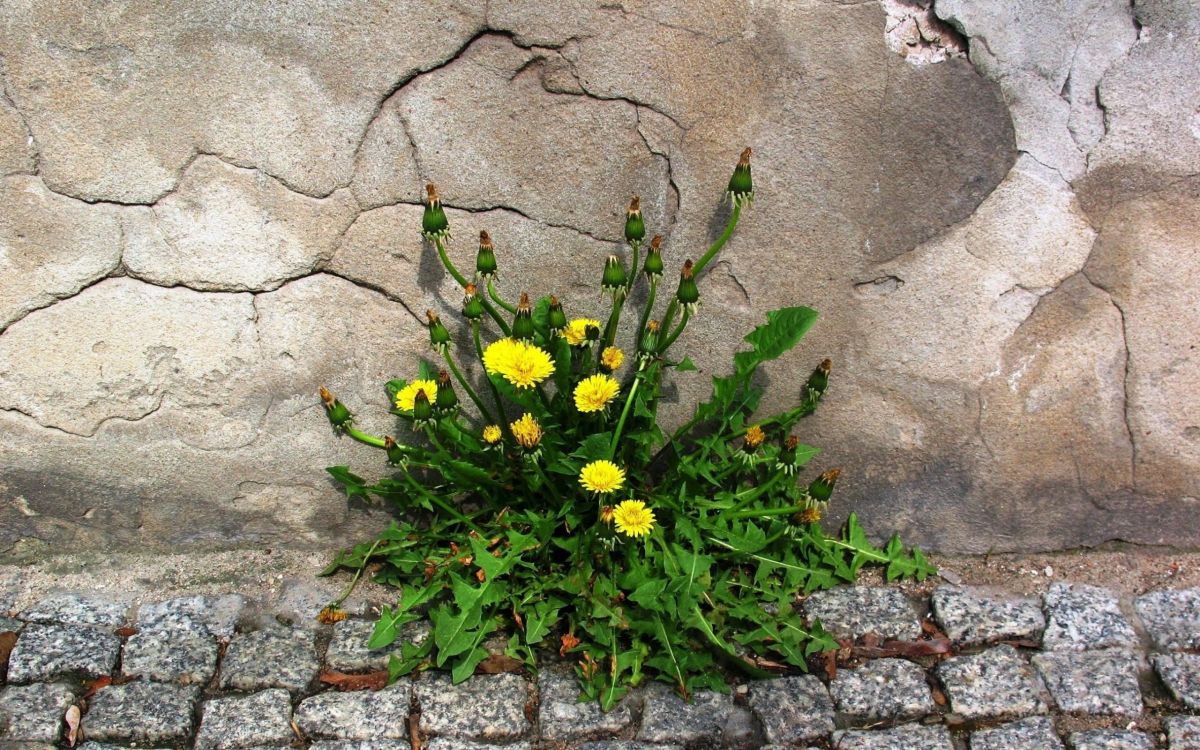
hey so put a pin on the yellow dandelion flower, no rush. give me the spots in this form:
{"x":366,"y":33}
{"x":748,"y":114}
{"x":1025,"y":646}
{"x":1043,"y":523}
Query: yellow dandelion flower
{"x":612,"y":358}
{"x":520,"y":363}
{"x":491,"y":434}
{"x":576,"y":331}
{"x":606,"y":514}
{"x":594,"y":393}
{"x":602,"y":476}
{"x":527,"y":431}
{"x":808,"y":515}
{"x":633,"y":518}
{"x":407,"y":395}
{"x":755,"y":437}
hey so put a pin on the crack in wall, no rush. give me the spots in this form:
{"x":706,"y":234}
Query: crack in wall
{"x":99,"y":425}
{"x":1125,"y":381}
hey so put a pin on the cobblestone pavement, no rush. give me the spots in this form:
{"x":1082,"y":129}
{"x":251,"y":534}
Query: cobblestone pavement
{"x":966,"y":667}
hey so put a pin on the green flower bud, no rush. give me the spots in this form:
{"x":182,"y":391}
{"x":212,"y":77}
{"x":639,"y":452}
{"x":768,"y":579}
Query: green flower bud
{"x":522,"y":328}
{"x":819,"y":380}
{"x":787,"y":456}
{"x":422,"y":409}
{"x":614,"y":277}
{"x":434,"y":224}
{"x":822,"y":487}
{"x":485,"y":261}
{"x":741,"y":185}
{"x":593,"y":335}
{"x":339,"y":415}
{"x":472,"y":306}
{"x":447,"y":399}
{"x":688,"y":293}
{"x":439,"y":337}
{"x":395,"y":455}
{"x":557,"y":319}
{"x":648,"y":346}
{"x":635,"y":228}
{"x":654,"y":262}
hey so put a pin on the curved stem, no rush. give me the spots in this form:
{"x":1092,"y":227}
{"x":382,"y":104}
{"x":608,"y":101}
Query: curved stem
{"x":675,"y":334}
{"x":645,"y":319}
{"x":462,"y":281}
{"x":612,"y":446}
{"x":466,"y":385}
{"x":503,"y":424}
{"x":438,"y":501}
{"x":357,"y":574}
{"x":363,"y":437}
{"x":716,"y":246}
{"x":512,"y":310}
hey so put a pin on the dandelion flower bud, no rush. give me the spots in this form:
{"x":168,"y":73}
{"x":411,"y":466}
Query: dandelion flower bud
{"x":472,"y":306}
{"x":339,"y":415}
{"x":819,"y":380}
{"x":485,"y":261}
{"x":751,"y":442}
{"x":653,"y":267}
{"x":613,"y":281}
{"x":787,"y":456}
{"x":741,"y":186}
{"x":808,"y":515}
{"x":822,"y":487}
{"x":688,"y":293}
{"x":446,"y":400}
{"x":395,"y":454}
{"x":556,"y":319}
{"x":528,"y":434}
{"x":439,"y":337}
{"x":422,"y":408}
{"x":434,"y":224}
{"x":522,"y":328}
{"x":648,"y":346}
{"x":635,"y":228}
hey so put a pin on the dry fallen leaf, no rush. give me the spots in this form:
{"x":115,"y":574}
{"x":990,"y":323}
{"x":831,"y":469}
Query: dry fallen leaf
{"x":72,"y":719}
{"x":96,"y":686}
{"x":569,"y":642}
{"x":126,"y":631}
{"x":346,"y":682}
{"x":8,"y":639}
{"x":498,"y":663}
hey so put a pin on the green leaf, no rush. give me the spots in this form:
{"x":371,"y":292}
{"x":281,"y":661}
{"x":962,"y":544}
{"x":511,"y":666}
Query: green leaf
{"x":686,"y":365}
{"x":354,"y":485}
{"x":391,"y":619}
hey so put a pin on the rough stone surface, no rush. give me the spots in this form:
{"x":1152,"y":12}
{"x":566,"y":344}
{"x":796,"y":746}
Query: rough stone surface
{"x":850,"y":611}
{"x":238,"y":723}
{"x":1110,"y":739}
{"x":141,"y":712}
{"x":971,"y":615}
{"x":1027,"y":734}
{"x":451,"y":743}
{"x":45,"y":652}
{"x":997,"y":683}
{"x":482,"y":708}
{"x":33,"y":713}
{"x":882,"y":690}
{"x":378,"y":744}
{"x":357,"y":715}
{"x":1181,"y":674}
{"x":792,"y":709}
{"x":73,"y":609}
{"x":1092,"y":682}
{"x":562,"y":717}
{"x":270,"y":659}
{"x":211,"y":615}
{"x":666,"y":718}
{"x":909,"y":736}
{"x":1183,"y":732}
{"x":348,"y":650}
{"x":185,"y":657}
{"x":1172,"y":617}
{"x":1080,"y":617}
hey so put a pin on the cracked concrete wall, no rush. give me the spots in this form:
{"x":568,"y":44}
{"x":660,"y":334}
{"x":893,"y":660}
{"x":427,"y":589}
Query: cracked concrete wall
{"x":211,"y":210}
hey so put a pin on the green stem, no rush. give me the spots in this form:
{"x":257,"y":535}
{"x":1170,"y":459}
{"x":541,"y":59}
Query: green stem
{"x":716,"y":246}
{"x":752,"y":493}
{"x":438,"y":501}
{"x":751,"y":513}
{"x":512,"y":310}
{"x":610,"y":330}
{"x":466,"y":385}
{"x":363,"y":437}
{"x":641,"y":329}
{"x":357,"y":574}
{"x":633,"y":269}
{"x":612,"y":446}
{"x":462,"y":281}
{"x":675,"y":334}
{"x":495,"y":391}
{"x":548,"y":484}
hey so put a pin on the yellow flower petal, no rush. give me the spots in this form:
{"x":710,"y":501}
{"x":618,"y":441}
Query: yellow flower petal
{"x":407,"y":395}
{"x":633,"y":518}
{"x":602,"y":476}
{"x":593,"y":394}
{"x":520,"y":363}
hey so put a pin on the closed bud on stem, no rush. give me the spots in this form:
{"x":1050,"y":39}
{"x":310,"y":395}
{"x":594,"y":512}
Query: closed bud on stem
{"x":787,"y":456}
{"x":635,"y":228}
{"x":653,"y":266}
{"x":472,"y":305}
{"x":751,"y":442}
{"x":439,"y":337}
{"x":613,"y":281}
{"x":339,"y":415}
{"x":688,"y":294}
{"x":741,"y":185}
{"x":395,"y":456}
{"x":556,"y":319}
{"x":592,"y":334}
{"x":522,"y":328}
{"x":648,"y":346}
{"x":447,"y":399}
{"x":819,"y":380}
{"x":485,"y":261}
{"x":434,"y":224}
{"x":822,"y":487}
{"x":422,"y":410}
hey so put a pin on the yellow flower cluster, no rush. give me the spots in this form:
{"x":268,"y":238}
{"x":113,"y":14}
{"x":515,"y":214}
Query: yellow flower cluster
{"x":491,"y":434}
{"x":520,"y":363}
{"x":612,"y":358}
{"x":593,"y":394}
{"x":633,"y":518}
{"x":527,"y":432}
{"x":602,"y":476}
{"x":407,"y":396}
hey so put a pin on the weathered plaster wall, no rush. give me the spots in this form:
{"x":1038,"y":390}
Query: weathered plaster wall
{"x":210,"y":209}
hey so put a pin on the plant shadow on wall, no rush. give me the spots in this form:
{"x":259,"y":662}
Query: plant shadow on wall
{"x":566,"y":518}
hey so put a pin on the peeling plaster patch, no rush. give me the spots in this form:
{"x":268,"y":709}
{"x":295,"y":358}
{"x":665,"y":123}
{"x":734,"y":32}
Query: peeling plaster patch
{"x":920,"y":37}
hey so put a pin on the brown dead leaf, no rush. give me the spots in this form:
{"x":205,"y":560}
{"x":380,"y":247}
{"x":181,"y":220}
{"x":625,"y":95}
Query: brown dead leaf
{"x":72,"y":719}
{"x":96,"y":686}
{"x":499,"y":663}
{"x":480,"y":575}
{"x":569,"y":642}
{"x":831,"y":664}
{"x":414,"y":733}
{"x":939,"y":697}
{"x":298,"y":732}
{"x":125,"y":632}
{"x":8,"y":639}
{"x":907,"y":649}
{"x":347,"y":682}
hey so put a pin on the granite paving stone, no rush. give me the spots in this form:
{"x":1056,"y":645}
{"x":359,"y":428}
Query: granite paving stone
{"x":1110,"y":739}
{"x":850,"y":611}
{"x":216,"y":615}
{"x":141,"y":712}
{"x":1183,"y":732}
{"x":10,"y":625}
{"x":75,"y":609}
{"x":242,"y":722}
{"x":357,"y":715}
{"x":453,"y":743}
{"x":89,"y":745}
{"x":1027,"y":734}
{"x":486,"y":707}
{"x":1092,"y":682}
{"x":666,"y":718}
{"x":623,"y":745}
{"x":742,"y":730}
{"x":893,"y":689}
{"x":270,"y":659}
{"x":348,"y":650}
{"x":47,"y":652}
{"x":997,"y":683}
{"x":975,"y":614}
{"x":1171,"y":617}
{"x":185,"y":656}
{"x":1181,"y":674}
{"x":906,"y":737}
{"x":34,"y":713}
{"x":369,"y":745}
{"x":792,"y":709}
{"x":562,"y":717}
{"x":1080,"y":617}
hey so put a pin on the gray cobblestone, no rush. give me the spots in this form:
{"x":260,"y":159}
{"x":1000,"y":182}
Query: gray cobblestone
{"x":215,"y":615}
{"x":1110,"y":739}
{"x":1027,"y":734}
{"x":481,"y":708}
{"x":623,"y":745}
{"x":89,"y":745}
{"x":47,"y":652}
{"x":562,"y":717}
{"x":892,"y":689}
{"x":1183,"y":732}
{"x":996,"y":684}
{"x":270,"y":659}
{"x":238,"y":723}
{"x":376,"y":745}
{"x":1181,"y":674}
{"x":357,"y":715}
{"x":850,"y":611}
{"x":1081,"y":617}
{"x":142,"y":712}
{"x":451,"y":743}
{"x":972,"y":615}
{"x":1171,"y":617}
{"x":34,"y":713}
{"x":76,"y":609}
{"x":1092,"y":682}
{"x":10,"y":625}
{"x":348,"y":650}
{"x":186,"y":657}
{"x":907,"y":737}
{"x":666,"y":718}
{"x":792,"y":709}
